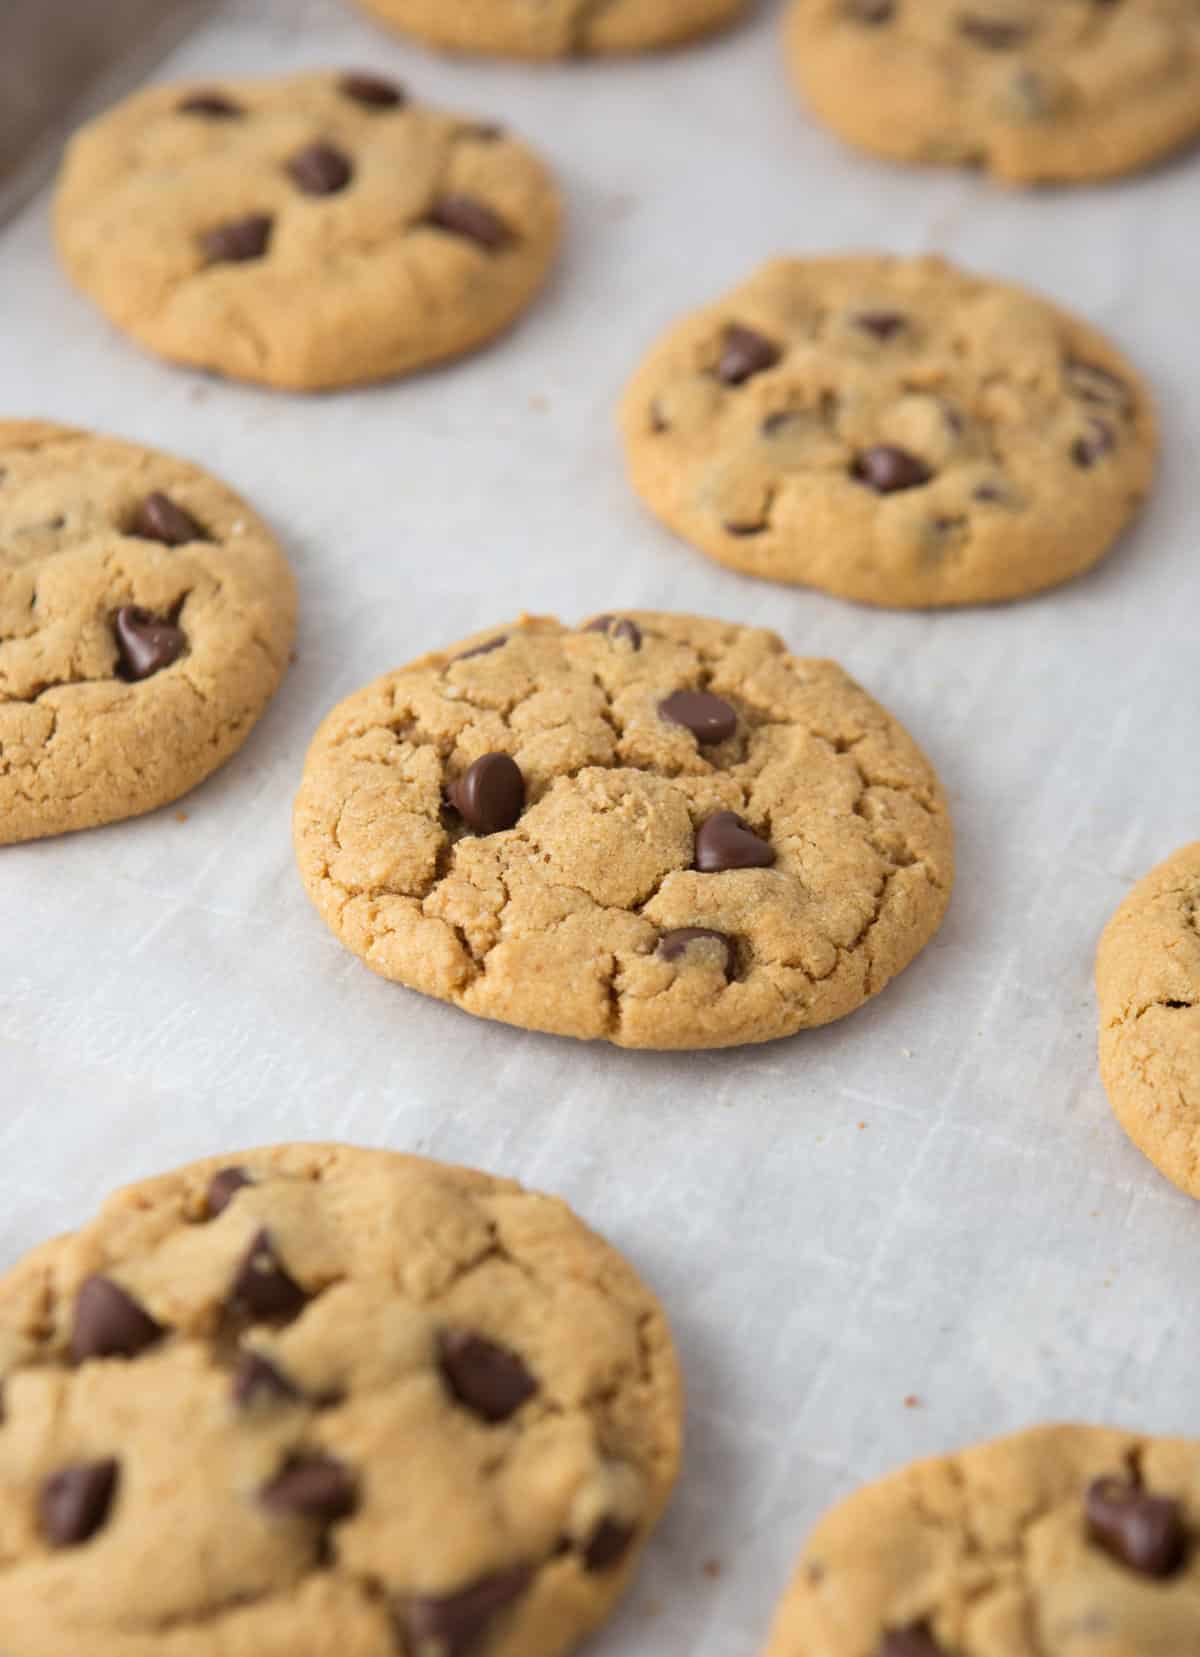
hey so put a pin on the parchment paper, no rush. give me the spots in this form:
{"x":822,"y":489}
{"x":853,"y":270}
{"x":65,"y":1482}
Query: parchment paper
{"x":928,"y":1201}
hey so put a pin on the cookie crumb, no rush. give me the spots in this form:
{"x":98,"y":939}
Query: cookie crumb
{"x":181,"y":816}
{"x":912,"y":1402}
{"x":711,"y":1569}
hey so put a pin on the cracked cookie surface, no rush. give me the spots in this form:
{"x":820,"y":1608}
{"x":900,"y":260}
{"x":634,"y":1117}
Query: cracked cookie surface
{"x":307,"y":232}
{"x":895,"y":431}
{"x":555,"y":28}
{"x":317,"y":1399}
{"x":1057,"y":1542}
{"x":1148,"y":985}
{"x":1033,"y":90}
{"x":535,"y":824}
{"x":146,"y":616}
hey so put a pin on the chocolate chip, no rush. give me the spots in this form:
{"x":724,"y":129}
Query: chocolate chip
{"x":608,"y":1544}
{"x":257,"y":1379}
{"x":374,"y":92}
{"x":673,"y":946}
{"x":745,"y":353}
{"x":466,"y":217}
{"x":724,"y":842}
{"x":320,"y":170}
{"x":996,"y":34}
{"x":871,"y":12}
{"x":707,"y":717}
{"x":108,"y":1323}
{"x":453,"y":1622}
{"x":751,"y":527}
{"x":159,"y":519}
{"x":486,"y":1378}
{"x":238,"y":240}
{"x":916,"y":1641}
{"x":491,"y":795}
{"x":1139,"y":1530}
{"x":312,"y":1487}
{"x":145,"y":643}
{"x":1096,"y":385}
{"x":1099,"y":441}
{"x":483,"y":132}
{"x":214,"y":105}
{"x":263,"y":1290}
{"x":617,"y":628}
{"x":483,"y":649}
{"x":884,"y":325}
{"x":75,"y":1502}
{"x":887,"y":470}
{"x":222,"y":1188}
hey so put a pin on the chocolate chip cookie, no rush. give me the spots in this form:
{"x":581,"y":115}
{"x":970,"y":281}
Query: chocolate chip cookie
{"x":311,"y":231}
{"x":315,"y":1399}
{"x":891,"y":430}
{"x":1033,"y":90}
{"x":555,"y":28}
{"x":146,"y":616}
{"x":653,"y":829}
{"x":1058,"y":1542}
{"x":1148,"y":981}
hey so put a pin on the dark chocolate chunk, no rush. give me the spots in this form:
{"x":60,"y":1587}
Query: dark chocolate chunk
{"x":490,"y":796}
{"x":724,"y":842}
{"x":916,"y":1641}
{"x":745,"y":353}
{"x":997,"y":34}
{"x":883,"y":325}
{"x":215,"y":106}
{"x":158,"y":518}
{"x":320,"y":170}
{"x":607,"y":1545}
{"x":452,"y":1623}
{"x":887,"y":469}
{"x":471,"y":219}
{"x":484,"y":1377}
{"x":238,"y":240}
{"x":108,"y":1323}
{"x":1140,"y":1530}
{"x":373,"y":91}
{"x":145,"y":643}
{"x":263,"y":1290}
{"x":618,"y":628}
{"x":312,"y":1487}
{"x":75,"y":1502}
{"x":673,"y":946}
{"x":1098,"y":441}
{"x":222,"y":1188}
{"x":707,"y":717}
{"x":258,"y":1380}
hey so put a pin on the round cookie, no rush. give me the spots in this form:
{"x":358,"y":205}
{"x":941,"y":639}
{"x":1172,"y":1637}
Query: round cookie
{"x":315,"y":1399}
{"x":1033,"y":90}
{"x":309,"y":231}
{"x":555,"y":28}
{"x":146,"y":617}
{"x":1148,"y":983}
{"x":1056,"y":1542}
{"x":891,"y":430}
{"x":657,"y":830}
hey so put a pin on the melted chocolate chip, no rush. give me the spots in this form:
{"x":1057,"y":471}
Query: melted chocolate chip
{"x":214,"y":106}
{"x":145,"y":643}
{"x":491,"y":795}
{"x":887,"y":469}
{"x":607,"y":1545}
{"x":108,"y":1323}
{"x":708,"y":718}
{"x":472,"y":220}
{"x":1137,"y":1529}
{"x":995,"y":33}
{"x":724,"y":842}
{"x":312,"y":1487}
{"x":483,"y":649}
{"x":373,"y":91}
{"x":1099,"y":441}
{"x":883,"y":325}
{"x":745,"y":353}
{"x":320,"y":170}
{"x":222,"y":1188}
{"x":258,"y":1380}
{"x":484,"y":1377}
{"x":673,"y":946}
{"x":239,"y":240}
{"x":454,"y":1622}
{"x":263,"y":1290}
{"x":619,"y":629}
{"x":916,"y":1641}
{"x":75,"y":1502}
{"x":158,"y":518}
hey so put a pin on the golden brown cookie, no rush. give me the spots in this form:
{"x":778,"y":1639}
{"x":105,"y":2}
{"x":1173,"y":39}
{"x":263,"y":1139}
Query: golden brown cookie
{"x":1056,"y":1542}
{"x":1148,"y":981}
{"x":892,"y":430}
{"x":652,"y":829}
{"x":554,"y":28}
{"x":146,"y":616}
{"x":1033,"y":90}
{"x":311,"y":231}
{"x":321,"y":1400}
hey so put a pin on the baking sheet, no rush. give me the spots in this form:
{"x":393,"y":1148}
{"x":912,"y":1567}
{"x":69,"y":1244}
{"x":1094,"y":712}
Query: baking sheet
{"x":928,"y":1201}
